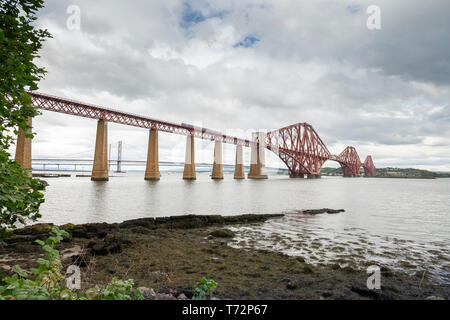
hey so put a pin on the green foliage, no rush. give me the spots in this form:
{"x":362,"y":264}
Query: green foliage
{"x":116,"y":290}
{"x":41,"y":283}
{"x":47,"y":283}
{"x":20,"y":41}
{"x":20,"y":195}
{"x":203,"y":288}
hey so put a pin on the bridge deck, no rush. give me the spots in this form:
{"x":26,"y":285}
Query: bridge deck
{"x":76,"y":108}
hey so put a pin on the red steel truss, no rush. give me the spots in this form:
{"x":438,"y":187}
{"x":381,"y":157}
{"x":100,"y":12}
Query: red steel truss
{"x":62,"y":105}
{"x":369,"y":167}
{"x":303,"y":152}
{"x":299,"y":147}
{"x":349,"y":161}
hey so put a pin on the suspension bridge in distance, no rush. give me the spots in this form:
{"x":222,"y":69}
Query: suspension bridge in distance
{"x":115,"y":165}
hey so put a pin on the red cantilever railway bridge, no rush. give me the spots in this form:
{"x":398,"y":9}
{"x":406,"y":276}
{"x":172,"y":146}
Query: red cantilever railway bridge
{"x":298,"y":145}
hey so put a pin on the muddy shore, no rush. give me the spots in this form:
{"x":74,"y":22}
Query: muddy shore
{"x":171,"y":254}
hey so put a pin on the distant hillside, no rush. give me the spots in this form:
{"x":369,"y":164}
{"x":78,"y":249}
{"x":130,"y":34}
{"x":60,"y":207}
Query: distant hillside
{"x":393,"y":173}
{"x":331,"y":171}
{"x":410,"y":173}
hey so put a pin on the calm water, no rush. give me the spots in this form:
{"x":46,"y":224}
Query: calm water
{"x":401,"y":223}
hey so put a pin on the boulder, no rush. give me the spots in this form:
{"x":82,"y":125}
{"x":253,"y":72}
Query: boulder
{"x":147,"y":293}
{"x":222,"y":233}
{"x":182,"y":297}
{"x":324,"y":210}
{"x":35,"y":229}
{"x":110,"y":245}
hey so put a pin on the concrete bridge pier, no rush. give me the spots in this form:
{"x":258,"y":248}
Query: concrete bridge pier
{"x":100,"y":169}
{"x":152,"y":168}
{"x":313,"y":176}
{"x":23,"y":149}
{"x":257,"y":160}
{"x":217,"y":172}
{"x":239,"y":166}
{"x":189,"y":164}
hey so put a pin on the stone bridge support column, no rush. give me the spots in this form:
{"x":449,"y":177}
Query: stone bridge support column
{"x":189,"y":164}
{"x":217,"y":172}
{"x":258,"y":160}
{"x":23,"y":149}
{"x":239,"y":166}
{"x":100,"y":168}
{"x":152,"y":169}
{"x":313,"y":176}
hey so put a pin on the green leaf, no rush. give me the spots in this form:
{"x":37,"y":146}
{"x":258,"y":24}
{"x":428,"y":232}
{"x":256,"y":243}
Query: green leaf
{"x":43,"y":262}
{"x":20,"y":272}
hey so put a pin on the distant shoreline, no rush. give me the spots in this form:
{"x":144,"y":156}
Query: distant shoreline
{"x":391,"y":172}
{"x":404,"y":177}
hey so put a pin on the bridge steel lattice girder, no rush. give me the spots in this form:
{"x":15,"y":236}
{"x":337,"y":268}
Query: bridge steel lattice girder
{"x":299,"y":147}
{"x":57,"y":104}
{"x":304,"y":153}
{"x":369,"y":167}
{"x":349,"y":161}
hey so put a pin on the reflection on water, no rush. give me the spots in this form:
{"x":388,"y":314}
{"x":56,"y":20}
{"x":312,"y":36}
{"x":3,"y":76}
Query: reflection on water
{"x":397,"y":222}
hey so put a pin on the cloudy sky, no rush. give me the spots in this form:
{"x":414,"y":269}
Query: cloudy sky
{"x":244,"y":65}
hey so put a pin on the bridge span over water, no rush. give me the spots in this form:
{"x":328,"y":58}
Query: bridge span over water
{"x":297,"y":145}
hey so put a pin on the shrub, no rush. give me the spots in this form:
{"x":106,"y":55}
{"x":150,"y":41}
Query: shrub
{"x":47,"y":283}
{"x":203,"y":288}
{"x":20,"y":41}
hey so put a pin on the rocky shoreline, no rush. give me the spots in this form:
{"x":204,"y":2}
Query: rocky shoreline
{"x":166,"y":256}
